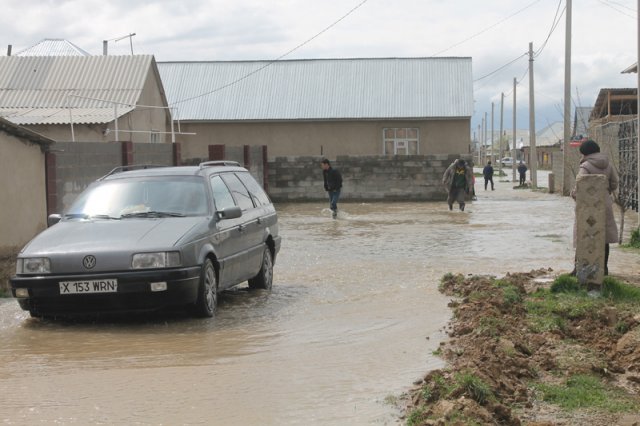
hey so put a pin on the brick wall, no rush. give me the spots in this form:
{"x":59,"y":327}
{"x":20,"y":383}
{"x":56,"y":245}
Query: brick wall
{"x":410,"y":178}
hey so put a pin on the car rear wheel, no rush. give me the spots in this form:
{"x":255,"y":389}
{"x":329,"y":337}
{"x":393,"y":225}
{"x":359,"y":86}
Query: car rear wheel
{"x":264,"y":279}
{"x":207,"y":291}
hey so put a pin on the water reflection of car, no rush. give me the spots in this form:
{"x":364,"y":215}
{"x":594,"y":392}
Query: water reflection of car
{"x":150,"y":238}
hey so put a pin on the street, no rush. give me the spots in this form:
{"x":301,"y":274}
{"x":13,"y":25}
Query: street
{"x":352,"y":321}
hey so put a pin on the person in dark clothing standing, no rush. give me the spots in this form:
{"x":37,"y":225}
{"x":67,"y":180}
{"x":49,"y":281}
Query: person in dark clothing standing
{"x":488,"y":175}
{"x":332,"y":184}
{"x":522,"y":170}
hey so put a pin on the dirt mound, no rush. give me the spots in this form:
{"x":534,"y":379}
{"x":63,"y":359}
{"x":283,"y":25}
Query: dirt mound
{"x":512,"y":340}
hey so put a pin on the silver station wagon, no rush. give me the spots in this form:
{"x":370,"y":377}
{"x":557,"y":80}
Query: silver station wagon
{"x":145,"y":238}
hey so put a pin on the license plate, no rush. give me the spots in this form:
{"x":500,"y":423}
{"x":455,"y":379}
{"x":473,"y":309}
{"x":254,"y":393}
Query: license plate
{"x":89,"y":286}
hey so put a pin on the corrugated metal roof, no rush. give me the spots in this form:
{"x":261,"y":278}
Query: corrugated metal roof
{"x":320,"y":89}
{"x":24,"y":116}
{"x":42,"y":89}
{"x":53,"y":47}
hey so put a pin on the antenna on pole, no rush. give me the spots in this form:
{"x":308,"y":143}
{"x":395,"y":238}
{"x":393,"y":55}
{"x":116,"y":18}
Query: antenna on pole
{"x":117,"y":39}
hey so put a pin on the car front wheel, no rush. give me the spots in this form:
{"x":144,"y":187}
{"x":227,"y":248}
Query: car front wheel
{"x":264,"y":278}
{"x":207,"y":291}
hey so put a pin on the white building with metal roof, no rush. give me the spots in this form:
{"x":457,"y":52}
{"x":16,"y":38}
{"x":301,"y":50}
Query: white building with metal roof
{"x":329,"y":107}
{"x":85,"y":98}
{"x":53,"y":47}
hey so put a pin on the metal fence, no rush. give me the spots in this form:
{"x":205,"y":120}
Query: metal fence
{"x":628,"y":163}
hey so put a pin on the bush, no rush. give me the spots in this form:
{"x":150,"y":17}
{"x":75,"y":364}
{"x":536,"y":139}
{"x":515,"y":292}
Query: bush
{"x":635,"y":238}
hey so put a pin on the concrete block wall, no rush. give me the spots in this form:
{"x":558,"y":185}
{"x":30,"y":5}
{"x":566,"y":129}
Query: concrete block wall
{"x":152,"y":153}
{"x":365,"y":178}
{"x":77,"y":164}
{"x":72,"y":166}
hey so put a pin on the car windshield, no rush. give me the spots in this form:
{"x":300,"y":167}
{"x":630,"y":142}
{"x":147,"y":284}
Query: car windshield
{"x":142,"y":197}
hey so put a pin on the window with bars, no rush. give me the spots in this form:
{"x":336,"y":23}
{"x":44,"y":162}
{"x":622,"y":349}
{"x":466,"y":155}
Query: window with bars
{"x":154,"y":137}
{"x":400,"y":141}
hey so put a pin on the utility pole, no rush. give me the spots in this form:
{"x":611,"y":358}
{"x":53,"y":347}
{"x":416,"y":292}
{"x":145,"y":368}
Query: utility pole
{"x":533,"y":155}
{"x":513,"y":156}
{"x":566,"y":178}
{"x":480,"y":144}
{"x":492,"y":147}
{"x":486,"y":124}
{"x":500,"y":137}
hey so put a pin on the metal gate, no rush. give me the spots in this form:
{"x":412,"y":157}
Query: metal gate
{"x":628,"y":163}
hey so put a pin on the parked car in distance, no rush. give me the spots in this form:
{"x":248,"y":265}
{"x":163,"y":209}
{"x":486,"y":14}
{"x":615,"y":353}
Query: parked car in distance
{"x":507,"y":162}
{"x":145,"y":238}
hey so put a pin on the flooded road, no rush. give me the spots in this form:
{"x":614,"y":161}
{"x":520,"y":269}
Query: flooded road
{"x":352,"y":320}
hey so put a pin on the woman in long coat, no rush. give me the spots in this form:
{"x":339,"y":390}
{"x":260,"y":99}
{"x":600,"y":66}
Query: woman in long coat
{"x":595,"y":162}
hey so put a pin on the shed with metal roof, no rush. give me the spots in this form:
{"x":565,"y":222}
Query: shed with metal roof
{"x":330,"y":107}
{"x":85,"y":98}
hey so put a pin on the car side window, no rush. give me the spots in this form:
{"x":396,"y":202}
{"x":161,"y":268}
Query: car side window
{"x":260,"y":198}
{"x":239,"y":192}
{"x":221,"y":194}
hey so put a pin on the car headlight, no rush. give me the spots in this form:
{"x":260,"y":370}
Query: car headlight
{"x":162,"y":259}
{"x":33,"y":265}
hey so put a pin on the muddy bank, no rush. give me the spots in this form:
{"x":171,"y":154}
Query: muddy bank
{"x":532,"y":348}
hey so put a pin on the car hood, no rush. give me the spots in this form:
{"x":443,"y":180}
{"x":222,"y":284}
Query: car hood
{"x":112,"y":235}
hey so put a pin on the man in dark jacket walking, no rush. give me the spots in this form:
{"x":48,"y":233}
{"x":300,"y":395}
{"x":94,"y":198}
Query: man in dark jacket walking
{"x":332,"y":184}
{"x":488,"y":175}
{"x":522,"y":170}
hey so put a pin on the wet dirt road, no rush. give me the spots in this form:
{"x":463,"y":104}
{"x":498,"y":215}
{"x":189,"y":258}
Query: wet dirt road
{"x":353,"y":319}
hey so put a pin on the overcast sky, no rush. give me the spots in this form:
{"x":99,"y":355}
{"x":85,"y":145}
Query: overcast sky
{"x":492,"y":32}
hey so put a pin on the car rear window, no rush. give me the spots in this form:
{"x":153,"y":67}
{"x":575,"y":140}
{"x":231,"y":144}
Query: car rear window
{"x":238,"y":190}
{"x":260,"y":198}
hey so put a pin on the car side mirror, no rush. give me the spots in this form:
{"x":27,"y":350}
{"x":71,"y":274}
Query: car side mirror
{"x":229,"y":213}
{"x":53,"y":219}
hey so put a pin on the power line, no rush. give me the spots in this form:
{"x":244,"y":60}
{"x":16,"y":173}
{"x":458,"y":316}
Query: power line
{"x":554,"y":25}
{"x":487,"y":28}
{"x":610,"y":5}
{"x":275,"y":60}
{"x":499,"y":69}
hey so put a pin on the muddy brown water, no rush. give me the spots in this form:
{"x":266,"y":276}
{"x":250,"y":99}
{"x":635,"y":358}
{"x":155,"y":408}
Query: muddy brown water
{"x":352,"y":320}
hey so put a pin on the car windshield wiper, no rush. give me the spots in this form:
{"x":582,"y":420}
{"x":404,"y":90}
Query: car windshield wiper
{"x":152,"y":214}
{"x":103,"y":216}
{"x":76,"y":216}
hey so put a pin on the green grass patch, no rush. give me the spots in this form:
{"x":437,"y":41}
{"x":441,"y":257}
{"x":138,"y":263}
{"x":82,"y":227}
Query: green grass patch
{"x":475,"y":387}
{"x":550,"y":311}
{"x":584,"y":391}
{"x":416,"y":417}
{"x":565,"y":284}
{"x":620,"y":292}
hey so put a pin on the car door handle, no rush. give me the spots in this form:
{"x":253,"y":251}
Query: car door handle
{"x":259,"y":221}
{"x":241,"y":228}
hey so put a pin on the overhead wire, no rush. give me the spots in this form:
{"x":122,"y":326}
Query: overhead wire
{"x":487,"y":28}
{"x":268,"y":64}
{"x":554,"y":25}
{"x":611,"y":5}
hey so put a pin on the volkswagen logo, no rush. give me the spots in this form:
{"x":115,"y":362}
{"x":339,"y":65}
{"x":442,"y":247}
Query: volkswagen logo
{"x":89,"y":261}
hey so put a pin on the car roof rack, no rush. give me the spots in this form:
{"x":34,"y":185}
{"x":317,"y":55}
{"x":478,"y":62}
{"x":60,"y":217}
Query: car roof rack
{"x":121,"y":169}
{"x":219,"y":163}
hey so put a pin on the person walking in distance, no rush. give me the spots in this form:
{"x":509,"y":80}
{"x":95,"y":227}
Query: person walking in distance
{"x":457,"y":180}
{"x":332,"y":184}
{"x":522,"y":170}
{"x":487,"y":172}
